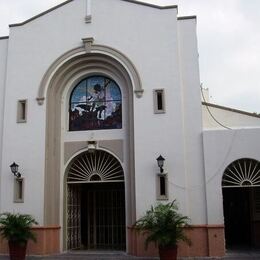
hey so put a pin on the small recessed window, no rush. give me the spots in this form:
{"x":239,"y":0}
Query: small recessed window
{"x":18,"y":190}
{"x":159,"y":101}
{"x":162,"y":186}
{"x":21,"y":111}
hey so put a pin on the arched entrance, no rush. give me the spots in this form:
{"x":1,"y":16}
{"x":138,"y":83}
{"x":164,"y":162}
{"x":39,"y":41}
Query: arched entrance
{"x":241,"y":199}
{"x":95,"y":215}
{"x":67,"y":71}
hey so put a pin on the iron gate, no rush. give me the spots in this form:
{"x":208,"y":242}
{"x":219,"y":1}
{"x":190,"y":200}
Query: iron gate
{"x":96,"y":202}
{"x":74,"y":216}
{"x":104,"y":217}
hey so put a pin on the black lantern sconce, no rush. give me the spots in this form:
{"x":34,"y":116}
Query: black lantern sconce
{"x":14,"y":169}
{"x":161,"y":180}
{"x":160,"y":161}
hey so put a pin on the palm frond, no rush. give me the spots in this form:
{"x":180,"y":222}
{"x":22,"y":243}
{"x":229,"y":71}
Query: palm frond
{"x":17,"y":227}
{"x":164,"y":225}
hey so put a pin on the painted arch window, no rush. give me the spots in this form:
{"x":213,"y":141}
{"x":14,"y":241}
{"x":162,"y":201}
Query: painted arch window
{"x":95,"y":103}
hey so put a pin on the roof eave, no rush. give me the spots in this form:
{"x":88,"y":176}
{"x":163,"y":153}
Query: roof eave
{"x":152,"y":5}
{"x":187,"y":17}
{"x":68,"y":1}
{"x":41,"y":14}
{"x":231,"y":109}
{"x":4,"y":37}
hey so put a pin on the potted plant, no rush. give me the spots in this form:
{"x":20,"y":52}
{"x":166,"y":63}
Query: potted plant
{"x":163,"y":225}
{"x":16,"y":228}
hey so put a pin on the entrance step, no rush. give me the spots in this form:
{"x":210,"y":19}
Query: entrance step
{"x":94,"y":255}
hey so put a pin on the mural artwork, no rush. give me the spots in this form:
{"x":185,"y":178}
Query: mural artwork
{"x":95,"y":103}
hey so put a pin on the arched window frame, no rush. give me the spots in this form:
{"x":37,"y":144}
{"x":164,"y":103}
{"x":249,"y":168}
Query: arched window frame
{"x":97,"y":108}
{"x":244,"y":172}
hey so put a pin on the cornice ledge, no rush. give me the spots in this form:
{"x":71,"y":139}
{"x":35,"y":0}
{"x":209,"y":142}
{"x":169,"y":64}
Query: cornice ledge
{"x":4,"y":37}
{"x":152,"y":5}
{"x":186,"y":17}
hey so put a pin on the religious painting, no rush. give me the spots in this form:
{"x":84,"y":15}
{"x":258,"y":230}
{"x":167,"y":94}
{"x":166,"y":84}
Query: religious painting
{"x":95,"y":103}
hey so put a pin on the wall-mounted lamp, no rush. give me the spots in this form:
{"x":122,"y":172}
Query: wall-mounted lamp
{"x":160,"y":161}
{"x":161,"y":181}
{"x":14,"y":169}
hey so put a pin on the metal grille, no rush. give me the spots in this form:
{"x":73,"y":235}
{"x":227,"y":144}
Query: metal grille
{"x":105,"y":218}
{"x":96,"y":203}
{"x":256,"y":204}
{"x":74,"y":217}
{"x":98,"y":166}
{"x":242,"y":173}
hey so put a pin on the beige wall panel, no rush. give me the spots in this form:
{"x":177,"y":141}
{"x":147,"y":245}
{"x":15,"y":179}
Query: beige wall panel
{"x":71,"y":148}
{"x":115,"y":146}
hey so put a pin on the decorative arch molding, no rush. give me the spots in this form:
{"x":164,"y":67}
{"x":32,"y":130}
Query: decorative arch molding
{"x":243,"y":172}
{"x":101,"y":165}
{"x":68,"y":58}
{"x":65,"y":72}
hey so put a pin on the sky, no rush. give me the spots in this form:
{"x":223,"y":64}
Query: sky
{"x":228,"y":42}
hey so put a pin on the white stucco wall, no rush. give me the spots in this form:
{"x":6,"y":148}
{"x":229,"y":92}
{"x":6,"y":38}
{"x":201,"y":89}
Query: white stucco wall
{"x":222,"y":147}
{"x":232,"y":119}
{"x":164,"y":52}
{"x":192,"y":120}
{"x":3,"y":63}
{"x":35,"y":45}
{"x":32,"y":49}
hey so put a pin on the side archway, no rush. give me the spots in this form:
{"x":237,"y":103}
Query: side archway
{"x":241,"y":203}
{"x":95,"y":202}
{"x":76,"y":67}
{"x":242,"y":173}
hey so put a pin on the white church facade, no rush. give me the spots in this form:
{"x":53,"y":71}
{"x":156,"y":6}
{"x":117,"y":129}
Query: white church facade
{"x":92,"y":92}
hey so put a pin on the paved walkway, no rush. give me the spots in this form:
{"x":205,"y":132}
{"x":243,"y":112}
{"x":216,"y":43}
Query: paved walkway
{"x":236,"y":255}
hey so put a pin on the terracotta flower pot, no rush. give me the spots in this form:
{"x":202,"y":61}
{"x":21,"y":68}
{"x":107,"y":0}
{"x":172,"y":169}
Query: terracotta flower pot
{"x":168,"y":253}
{"x":17,"y":251}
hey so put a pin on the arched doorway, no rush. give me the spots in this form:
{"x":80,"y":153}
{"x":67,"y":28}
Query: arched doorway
{"x":241,"y":200}
{"x":95,"y":214}
{"x":68,"y":70}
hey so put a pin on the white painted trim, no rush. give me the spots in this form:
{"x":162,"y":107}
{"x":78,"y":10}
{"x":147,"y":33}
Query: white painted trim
{"x":155,"y":101}
{"x":93,"y":49}
{"x":22,"y":107}
{"x":17,"y":182}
